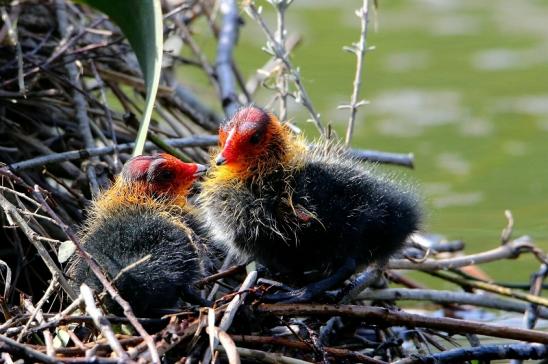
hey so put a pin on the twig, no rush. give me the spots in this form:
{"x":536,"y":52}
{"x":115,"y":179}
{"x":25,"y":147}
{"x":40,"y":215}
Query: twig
{"x":231,"y":310}
{"x":278,"y":50}
{"x":193,"y":108}
{"x":79,"y":100}
{"x":510,"y":250}
{"x":7,"y":279}
{"x":263,"y":356}
{"x":359,"y":51}
{"x":228,"y":36}
{"x":336,"y":352}
{"x":484,"y":352}
{"x":102,"y":322}
{"x":506,"y":234}
{"x":11,"y":346}
{"x":461,"y":298}
{"x":12,"y":213}
{"x":492,"y":288}
{"x":533,"y":311}
{"x":224,"y":273}
{"x":228,"y":345}
{"x":193,"y":141}
{"x":128,"y":312}
{"x":226,"y":263}
{"x":399,"y":159}
{"x":35,"y":311}
{"x":384,"y":316}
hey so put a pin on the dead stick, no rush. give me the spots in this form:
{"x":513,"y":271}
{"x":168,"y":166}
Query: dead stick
{"x":271,"y":340}
{"x":386,"y":316}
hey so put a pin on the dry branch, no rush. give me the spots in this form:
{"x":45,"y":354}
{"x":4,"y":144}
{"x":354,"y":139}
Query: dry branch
{"x":383,"y":316}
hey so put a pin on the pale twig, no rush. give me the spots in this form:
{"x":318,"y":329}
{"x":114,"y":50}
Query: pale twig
{"x":228,"y":36}
{"x":447,"y":297}
{"x":128,"y":312}
{"x":102,"y":323}
{"x":490,"y":287}
{"x":35,"y":311}
{"x":278,"y":50}
{"x":226,"y":341}
{"x":226,"y":263}
{"x":359,"y":50}
{"x":7,"y":279}
{"x":269,"y":67}
{"x":390,"y":317}
{"x":506,"y":234}
{"x":231,"y":310}
{"x":13,"y":215}
{"x":281,"y":80}
{"x":507,"y":251}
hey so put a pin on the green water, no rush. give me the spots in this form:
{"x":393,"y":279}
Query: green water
{"x":461,"y":84}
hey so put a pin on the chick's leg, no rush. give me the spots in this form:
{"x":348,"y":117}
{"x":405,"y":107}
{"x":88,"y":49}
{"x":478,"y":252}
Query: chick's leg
{"x":312,"y":290}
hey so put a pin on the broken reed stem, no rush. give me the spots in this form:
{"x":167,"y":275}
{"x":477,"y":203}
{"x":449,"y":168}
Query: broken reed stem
{"x":128,"y":312}
{"x":359,"y":50}
{"x":278,"y":50}
{"x":385,"y":316}
{"x":490,"y":287}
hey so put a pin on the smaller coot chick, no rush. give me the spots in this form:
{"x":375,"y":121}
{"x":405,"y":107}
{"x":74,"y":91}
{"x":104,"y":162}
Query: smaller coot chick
{"x":143,"y":234}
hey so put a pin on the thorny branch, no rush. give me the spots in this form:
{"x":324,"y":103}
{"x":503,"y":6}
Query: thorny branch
{"x":278,"y":50}
{"x":359,"y":50}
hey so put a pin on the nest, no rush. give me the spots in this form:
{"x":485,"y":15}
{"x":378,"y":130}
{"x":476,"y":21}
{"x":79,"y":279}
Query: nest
{"x":71,"y":92}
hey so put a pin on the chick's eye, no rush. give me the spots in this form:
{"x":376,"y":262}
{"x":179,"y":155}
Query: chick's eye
{"x":256,"y":137}
{"x":164,"y":175}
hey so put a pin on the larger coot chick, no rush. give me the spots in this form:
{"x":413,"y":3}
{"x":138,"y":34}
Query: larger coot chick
{"x":296,"y":208}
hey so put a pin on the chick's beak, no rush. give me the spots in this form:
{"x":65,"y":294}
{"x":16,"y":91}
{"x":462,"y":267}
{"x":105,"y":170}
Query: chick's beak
{"x":220,"y":160}
{"x":200,"y":170}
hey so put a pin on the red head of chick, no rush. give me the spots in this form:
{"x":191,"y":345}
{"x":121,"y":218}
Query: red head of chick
{"x":293,"y":208}
{"x":142,"y":233}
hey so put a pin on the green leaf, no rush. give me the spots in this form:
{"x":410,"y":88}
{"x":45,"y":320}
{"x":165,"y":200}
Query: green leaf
{"x":141,"y":23}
